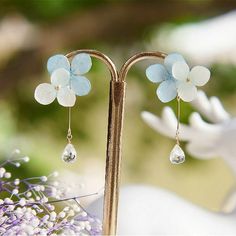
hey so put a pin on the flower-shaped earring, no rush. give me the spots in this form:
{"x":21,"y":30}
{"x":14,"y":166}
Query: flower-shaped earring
{"x":177,"y":81}
{"x":67,"y":81}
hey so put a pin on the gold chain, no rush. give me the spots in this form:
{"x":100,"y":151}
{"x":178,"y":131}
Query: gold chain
{"x":178,"y":120}
{"x":69,"y":134}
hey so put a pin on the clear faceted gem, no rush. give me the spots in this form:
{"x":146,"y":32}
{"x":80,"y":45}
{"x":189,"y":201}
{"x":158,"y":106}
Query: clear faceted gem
{"x":177,"y":155}
{"x":69,"y":154}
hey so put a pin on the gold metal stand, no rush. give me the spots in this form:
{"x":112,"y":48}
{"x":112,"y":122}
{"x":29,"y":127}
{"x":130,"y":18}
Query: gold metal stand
{"x":114,"y":133}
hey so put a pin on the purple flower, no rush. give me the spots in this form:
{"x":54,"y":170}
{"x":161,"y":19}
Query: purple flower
{"x":29,"y":206}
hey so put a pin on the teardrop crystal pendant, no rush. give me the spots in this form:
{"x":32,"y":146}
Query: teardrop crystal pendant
{"x":69,"y":154}
{"x":177,"y":155}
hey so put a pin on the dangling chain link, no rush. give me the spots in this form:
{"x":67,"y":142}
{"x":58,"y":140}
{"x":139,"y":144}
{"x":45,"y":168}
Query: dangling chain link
{"x":69,"y":134}
{"x":178,"y":120}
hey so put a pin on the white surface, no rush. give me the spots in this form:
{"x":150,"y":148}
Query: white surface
{"x":145,"y":210}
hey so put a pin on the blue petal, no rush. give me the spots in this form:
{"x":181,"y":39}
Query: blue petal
{"x":80,"y":85}
{"x":156,"y":73}
{"x":171,"y":59}
{"x":167,"y":91}
{"x":81,"y":64}
{"x":56,"y":62}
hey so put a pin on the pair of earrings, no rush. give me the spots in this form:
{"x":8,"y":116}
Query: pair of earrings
{"x":68,"y":80}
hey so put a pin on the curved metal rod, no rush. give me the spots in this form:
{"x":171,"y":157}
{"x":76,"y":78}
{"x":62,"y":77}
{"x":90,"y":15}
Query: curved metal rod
{"x":111,"y":229}
{"x":115,"y":125}
{"x":102,"y":57}
{"x":136,"y":58}
{"x":113,"y":151}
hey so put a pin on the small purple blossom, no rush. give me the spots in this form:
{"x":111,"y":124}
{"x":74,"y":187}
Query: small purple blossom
{"x":30,"y":206}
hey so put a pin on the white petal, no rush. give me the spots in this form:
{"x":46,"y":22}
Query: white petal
{"x":56,"y":62}
{"x":156,"y":73}
{"x":45,"y":94}
{"x":199,"y":75}
{"x":171,"y":59}
{"x":167,"y":90}
{"x":80,"y":85}
{"x":66,"y":97}
{"x":187,"y":91}
{"x":180,"y":70}
{"x":81,"y":64}
{"x":60,"y":77}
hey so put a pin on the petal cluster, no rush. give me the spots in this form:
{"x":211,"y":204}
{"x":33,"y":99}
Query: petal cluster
{"x":176,"y":78}
{"x":67,"y":80}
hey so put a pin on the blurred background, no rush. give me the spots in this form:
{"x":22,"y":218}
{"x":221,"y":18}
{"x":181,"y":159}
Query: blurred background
{"x":31,"y":31}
